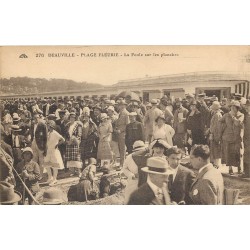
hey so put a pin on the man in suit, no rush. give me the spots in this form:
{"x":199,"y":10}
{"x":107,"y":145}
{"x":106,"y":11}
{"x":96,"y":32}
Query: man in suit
{"x":155,"y":190}
{"x":134,"y":132}
{"x":182,"y":178}
{"x":39,"y":137}
{"x":120,"y":129}
{"x":17,"y":142}
{"x":208,"y":186}
{"x":150,"y":117}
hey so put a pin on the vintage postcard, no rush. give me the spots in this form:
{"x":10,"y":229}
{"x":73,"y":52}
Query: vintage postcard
{"x":125,"y":125}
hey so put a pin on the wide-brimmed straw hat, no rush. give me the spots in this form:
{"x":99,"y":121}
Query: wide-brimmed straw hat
{"x":138,"y":145}
{"x":157,"y":165}
{"x":215,"y":106}
{"x":7,"y":193}
{"x":15,"y":128}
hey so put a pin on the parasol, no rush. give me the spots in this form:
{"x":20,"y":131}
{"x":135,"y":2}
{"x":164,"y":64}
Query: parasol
{"x":129,"y":94}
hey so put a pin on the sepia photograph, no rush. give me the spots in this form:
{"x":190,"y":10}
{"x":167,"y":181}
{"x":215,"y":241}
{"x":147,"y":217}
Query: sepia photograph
{"x":125,"y":125}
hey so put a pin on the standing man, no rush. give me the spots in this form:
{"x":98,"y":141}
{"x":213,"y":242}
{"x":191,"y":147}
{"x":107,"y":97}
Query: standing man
{"x":180,"y":126}
{"x":17,"y":142}
{"x":182,"y":178}
{"x":134,"y":132}
{"x":224,"y":106}
{"x":150,"y":117}
{"x":208,"y":187}
{"x":39,"y":135}
{"x":120,"y":129}
{"x":246,"y":140}
{"x":154,"y":191}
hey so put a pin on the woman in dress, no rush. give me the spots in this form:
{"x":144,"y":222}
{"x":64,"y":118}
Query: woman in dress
{"x":214,"y":136}
{"x":105,"y":130}
{"x":53,"y":160}
{"x":163,"y":131}
{"x":194,"y":125}
{"x":73,"y":139}
{"x":231,"y":131}
{"x":88,"y":147}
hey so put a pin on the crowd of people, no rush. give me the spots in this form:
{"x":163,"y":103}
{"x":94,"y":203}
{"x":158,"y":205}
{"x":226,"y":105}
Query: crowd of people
{"x":146,"y":141}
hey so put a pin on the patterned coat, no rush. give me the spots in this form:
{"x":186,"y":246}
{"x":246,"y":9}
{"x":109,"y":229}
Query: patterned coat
{"x":88,"y":145}
{"x":73,"y":142}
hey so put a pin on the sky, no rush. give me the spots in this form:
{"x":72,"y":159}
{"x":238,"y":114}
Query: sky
{"x":91,"y":64}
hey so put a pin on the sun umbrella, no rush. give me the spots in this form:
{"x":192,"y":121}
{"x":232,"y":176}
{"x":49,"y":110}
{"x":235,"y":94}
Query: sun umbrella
{"x":129,"y":94}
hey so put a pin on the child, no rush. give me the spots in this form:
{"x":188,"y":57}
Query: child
{"x":87,"y":188}
{"x":30,"y":172}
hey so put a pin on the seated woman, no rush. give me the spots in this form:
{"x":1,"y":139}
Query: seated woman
{"x":30,"y":172}
{"x":87,"y":188}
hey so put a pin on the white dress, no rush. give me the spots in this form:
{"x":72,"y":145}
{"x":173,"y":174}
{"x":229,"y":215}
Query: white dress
{"x":165,"y":132}
{"x":53,"y":158}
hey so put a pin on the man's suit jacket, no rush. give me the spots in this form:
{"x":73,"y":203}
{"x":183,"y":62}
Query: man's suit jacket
{"x":40,"y":136}
{"x":208,"y":187}
{"x":149,"y":120}
{"x":9,"y":140}
{"x":144,"y":196}
{"x":179,"y":190}
{"x":122,"y":121}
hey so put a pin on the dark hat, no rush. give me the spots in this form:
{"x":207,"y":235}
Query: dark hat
{"x":237,"y":96}
{"x":159,"y":143}
{"x":7,"y":193}
{"x":53,"y":196}
{"x":62,"y":112}
{"x":160,"y":117}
